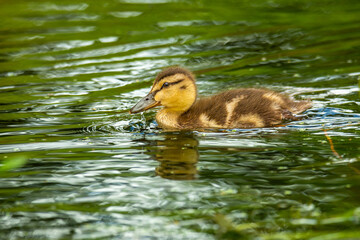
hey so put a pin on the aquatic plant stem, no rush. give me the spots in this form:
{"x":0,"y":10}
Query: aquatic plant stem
{"x":331,"y":144}
{"x":335,"y":152}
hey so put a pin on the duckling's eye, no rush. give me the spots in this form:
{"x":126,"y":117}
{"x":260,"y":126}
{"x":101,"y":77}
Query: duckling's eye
{"x":166,"y":84}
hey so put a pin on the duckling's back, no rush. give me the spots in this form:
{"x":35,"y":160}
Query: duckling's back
{"x":242,"y":108}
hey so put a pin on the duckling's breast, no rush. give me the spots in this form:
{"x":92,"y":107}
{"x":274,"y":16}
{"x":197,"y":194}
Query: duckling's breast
{"x":168,"y":119}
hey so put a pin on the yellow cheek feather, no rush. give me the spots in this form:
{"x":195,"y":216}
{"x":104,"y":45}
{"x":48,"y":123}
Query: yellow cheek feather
{"x":178,"y":97}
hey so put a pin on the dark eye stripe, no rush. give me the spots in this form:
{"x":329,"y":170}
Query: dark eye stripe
{"x":172,"y":83}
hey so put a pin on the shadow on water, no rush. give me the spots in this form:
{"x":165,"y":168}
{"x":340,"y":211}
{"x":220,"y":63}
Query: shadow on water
{"x":177,"y":155}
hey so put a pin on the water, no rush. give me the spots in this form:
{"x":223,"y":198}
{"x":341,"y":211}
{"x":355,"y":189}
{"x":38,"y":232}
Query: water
{"x":75,"y":165}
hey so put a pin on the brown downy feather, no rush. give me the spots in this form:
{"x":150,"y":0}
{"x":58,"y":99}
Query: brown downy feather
{"x":242,"y":108}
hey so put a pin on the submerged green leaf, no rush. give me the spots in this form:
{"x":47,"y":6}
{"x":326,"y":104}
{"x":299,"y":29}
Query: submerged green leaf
{"x":13,"y":163}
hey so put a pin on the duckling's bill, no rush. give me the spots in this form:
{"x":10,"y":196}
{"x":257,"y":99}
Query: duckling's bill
{"x":145,"y":103}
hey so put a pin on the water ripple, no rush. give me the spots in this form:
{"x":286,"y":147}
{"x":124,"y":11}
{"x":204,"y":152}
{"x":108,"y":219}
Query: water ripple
{"x":74,"y":164}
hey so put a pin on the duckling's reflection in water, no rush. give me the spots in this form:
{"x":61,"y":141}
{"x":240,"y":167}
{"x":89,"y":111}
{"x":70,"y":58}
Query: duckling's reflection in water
{"x":178,"y":156}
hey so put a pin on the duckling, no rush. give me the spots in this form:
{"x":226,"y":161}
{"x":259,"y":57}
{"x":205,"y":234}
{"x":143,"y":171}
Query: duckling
{"x":175,"y":89}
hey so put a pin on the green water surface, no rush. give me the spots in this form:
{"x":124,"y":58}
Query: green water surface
{"x":75,"y":165}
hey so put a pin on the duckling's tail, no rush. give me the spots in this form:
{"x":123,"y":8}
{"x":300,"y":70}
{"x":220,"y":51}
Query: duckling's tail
{"x":300,"y":106}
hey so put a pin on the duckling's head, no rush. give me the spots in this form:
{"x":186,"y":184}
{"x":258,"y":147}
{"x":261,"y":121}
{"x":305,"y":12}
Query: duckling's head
{"x":174,"y":88}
